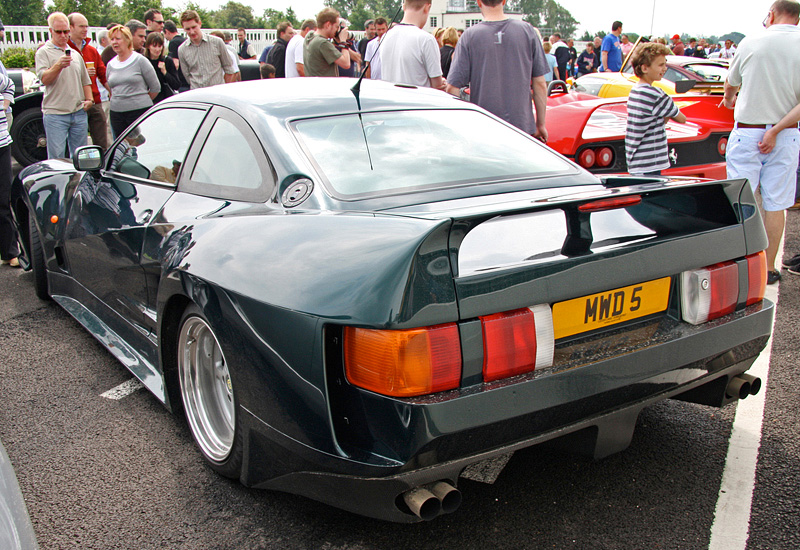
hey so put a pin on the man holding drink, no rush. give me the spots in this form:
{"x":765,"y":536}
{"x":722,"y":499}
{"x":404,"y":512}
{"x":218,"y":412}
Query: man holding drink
{"x":78,"y":32}
{"x":67,"y":92}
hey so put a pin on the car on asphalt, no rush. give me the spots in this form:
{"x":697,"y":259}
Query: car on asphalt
{"x":356,"y":292}
{"x":684,"y":74}
{"x":16,"y":531}
{"x":591,"y":132}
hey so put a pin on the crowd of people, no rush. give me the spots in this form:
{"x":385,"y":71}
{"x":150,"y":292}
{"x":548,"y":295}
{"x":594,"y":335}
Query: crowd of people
{"x":504,"y":64}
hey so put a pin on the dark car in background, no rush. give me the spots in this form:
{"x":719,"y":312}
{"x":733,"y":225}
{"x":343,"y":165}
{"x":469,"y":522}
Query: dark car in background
{"x":27,"y":128}
{"x":355,"y":294}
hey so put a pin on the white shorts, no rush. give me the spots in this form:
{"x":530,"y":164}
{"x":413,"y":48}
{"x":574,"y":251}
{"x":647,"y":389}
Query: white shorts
{"x":775,"y":173}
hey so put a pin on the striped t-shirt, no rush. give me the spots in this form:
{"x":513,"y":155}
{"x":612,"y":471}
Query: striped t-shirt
{"x":646,"y":134}
{"x":6,"y":92}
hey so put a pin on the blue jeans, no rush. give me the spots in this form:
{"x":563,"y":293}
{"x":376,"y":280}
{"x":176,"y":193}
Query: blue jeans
{"x":63,"y":130}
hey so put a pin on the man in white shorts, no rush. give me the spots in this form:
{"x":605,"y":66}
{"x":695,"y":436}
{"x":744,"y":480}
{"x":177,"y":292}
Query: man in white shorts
{"x":759,"y":72}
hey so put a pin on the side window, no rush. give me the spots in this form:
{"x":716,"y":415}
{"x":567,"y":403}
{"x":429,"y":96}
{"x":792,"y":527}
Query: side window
{"x":227,"y":159}
{"x":231,"y":163}
{"x":155,"y":148}
{"x":674,"y":76}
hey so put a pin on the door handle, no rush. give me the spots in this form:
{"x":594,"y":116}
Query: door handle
{"x":144,"y":217}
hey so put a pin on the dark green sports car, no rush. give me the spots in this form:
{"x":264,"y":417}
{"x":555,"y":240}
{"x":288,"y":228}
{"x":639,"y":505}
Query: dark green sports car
{"x":354,"y":294}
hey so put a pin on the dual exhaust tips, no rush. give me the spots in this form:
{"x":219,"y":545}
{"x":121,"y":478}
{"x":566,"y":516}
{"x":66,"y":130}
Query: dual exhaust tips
{"x":429,"y":501}
{"x":743,"y":385}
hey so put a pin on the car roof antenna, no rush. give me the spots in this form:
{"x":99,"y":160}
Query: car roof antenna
{"x":356,"y":89}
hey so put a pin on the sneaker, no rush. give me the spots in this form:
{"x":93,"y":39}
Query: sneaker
{"x":794,"y":270}
{"x":13,"y":262}
{"x":773,"y":277}
{"x":794,"y":261}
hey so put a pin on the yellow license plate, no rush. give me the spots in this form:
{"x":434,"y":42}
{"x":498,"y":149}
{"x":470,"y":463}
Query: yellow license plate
{"x":610,"y":307}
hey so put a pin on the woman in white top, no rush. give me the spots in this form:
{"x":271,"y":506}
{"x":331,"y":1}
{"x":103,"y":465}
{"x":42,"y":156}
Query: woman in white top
{"x":132,"y":79}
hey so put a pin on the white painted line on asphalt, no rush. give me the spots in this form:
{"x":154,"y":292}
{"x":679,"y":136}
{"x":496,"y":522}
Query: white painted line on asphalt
{"x":732,"y":516}
{"x":123,"y":390}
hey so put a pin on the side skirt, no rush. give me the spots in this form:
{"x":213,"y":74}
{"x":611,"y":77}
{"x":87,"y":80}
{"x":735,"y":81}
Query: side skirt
{"x":119,"y":348}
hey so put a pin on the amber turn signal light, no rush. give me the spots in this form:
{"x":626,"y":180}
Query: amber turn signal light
{"x":403,"y":363}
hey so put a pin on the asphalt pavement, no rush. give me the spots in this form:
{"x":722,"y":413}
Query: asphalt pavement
{"x":100,"y":473}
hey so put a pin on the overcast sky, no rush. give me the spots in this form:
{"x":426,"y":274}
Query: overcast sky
{"x":703,"y":18}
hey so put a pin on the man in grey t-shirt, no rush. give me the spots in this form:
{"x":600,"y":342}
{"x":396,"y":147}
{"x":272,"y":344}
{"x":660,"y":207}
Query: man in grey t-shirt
{"x":499,"y":59}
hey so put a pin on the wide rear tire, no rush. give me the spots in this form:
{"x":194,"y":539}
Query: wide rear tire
{"x":208,"y":394}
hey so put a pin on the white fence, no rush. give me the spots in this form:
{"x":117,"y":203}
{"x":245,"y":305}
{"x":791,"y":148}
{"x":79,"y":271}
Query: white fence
{"x":32,"y":37}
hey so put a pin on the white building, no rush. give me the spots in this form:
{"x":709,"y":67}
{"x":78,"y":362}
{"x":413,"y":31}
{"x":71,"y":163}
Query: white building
{"x":460,"y":14}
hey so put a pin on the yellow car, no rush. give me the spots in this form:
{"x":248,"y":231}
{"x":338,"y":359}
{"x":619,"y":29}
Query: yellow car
{"x":701,"y":76}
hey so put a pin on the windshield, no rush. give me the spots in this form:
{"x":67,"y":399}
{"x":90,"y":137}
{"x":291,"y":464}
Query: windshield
{"x":408,"y":151}
{"x":708,"y":71}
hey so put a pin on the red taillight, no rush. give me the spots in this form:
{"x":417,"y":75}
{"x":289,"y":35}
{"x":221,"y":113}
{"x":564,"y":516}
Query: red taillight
{"x":713,"y":291}
{"x":586,"y":158}
{"x":610,"y":204}
{"x":605,"y":156}
{"x":756,"y":277}
{"x":516,"y":342}
{"x":724,"y":289}
{"x":722,"y":146}
{"x":403,"y":363}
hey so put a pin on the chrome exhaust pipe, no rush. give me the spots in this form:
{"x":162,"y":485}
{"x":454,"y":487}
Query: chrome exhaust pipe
{"x":755,"y":383}
{"x":424,"y":504}
{"x":449,"y":496}
{"x":738,"y":388}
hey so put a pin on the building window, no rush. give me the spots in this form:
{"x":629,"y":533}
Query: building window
{"x":434,"y":22}
{"x":471,"y":22}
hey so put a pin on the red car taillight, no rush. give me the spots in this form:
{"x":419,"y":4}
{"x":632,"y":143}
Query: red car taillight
{"x":713,"y":291}
{"x":586,"y":158}
{"x":516,"y":342}
{"x":602,"y":157}
{"x":722,"y":146}
{"x":605,"y":156}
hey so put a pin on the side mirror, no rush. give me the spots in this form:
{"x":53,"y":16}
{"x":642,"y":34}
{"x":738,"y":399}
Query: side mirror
{"x":88,"y":158}
{"x":683,"y":86}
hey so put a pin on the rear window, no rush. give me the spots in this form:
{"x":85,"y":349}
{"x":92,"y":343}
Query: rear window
{"x":408,"y":151}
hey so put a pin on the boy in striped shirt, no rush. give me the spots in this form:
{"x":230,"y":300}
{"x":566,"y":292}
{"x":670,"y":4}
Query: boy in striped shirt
{"x":649,"y":108}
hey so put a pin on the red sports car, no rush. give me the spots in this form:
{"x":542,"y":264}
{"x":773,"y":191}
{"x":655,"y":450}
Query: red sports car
{"x":591,"y":131}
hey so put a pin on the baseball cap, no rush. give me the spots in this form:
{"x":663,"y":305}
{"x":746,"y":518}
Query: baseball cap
{"x":676,"y":37}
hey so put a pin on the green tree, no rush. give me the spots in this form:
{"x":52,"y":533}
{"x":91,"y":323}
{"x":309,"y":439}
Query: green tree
{"x":358,"y":11}
{"x":108,"y":12}
{"x":549,"y":14}
{"x":272,"y":17}
{"x":22,"y":12}
{"x":587,"y":36}
{"x":134,"y":9}
{"x":89,"y":8}
{"x":291,"y":17}
{"x":207,"y":17}
{"x":234,"y":15}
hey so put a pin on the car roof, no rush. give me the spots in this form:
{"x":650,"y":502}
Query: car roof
{"x":288,"y":98}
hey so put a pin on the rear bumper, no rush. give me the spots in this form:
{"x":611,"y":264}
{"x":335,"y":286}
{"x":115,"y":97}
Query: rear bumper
{"x":714,"y":171}
{"x":592,"y":395}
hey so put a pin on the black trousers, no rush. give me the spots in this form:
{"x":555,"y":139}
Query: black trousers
{"x":8,"y":233}
{"x":120,"y":120}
